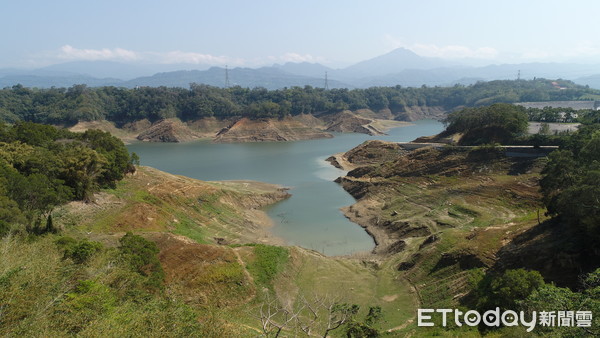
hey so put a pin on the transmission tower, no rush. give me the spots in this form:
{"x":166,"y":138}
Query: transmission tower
{"x":226,"y":77}
{"x":326,"y":82}
{"x":519,"y":75}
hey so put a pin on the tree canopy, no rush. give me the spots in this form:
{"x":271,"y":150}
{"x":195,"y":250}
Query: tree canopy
{"x":498,"y":123}
{"x":571,"y":183}
{"x":121,"y":105}
{"x":42,"y":167}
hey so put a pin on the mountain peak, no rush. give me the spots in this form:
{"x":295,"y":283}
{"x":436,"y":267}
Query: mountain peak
{"x":402,"y":51}
{"x":395,"y":61}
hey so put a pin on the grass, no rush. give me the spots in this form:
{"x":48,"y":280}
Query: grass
{"x":353,"y":282}
{"x":148,"y":201}
{"x":51,"y":296}
{"x":185,"y":226}
{"x":267,"y":263}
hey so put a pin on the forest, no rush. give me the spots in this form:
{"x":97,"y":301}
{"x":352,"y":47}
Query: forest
{"x":120,"y":105}
{"x":42,"y":167}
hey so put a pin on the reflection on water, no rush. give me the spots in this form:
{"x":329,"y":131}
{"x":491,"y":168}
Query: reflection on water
{"x":311,"y":217}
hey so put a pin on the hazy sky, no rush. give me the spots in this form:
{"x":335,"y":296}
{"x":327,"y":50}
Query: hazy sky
{"x":253,"y":32}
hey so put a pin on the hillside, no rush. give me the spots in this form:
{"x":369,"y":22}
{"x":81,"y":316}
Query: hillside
{"x":152,"y":200}
{"x":443,"y":215}
{"x":291,"y":128}
{"x":423,"y":206}
{"x":270,"y":130}
{"x":216,"y":276}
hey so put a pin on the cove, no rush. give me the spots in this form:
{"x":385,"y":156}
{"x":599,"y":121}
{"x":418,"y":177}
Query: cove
{"x":311,"y":217}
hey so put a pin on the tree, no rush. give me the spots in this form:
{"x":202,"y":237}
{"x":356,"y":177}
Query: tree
{"x":570,"y":185}
{"x":549,"y":297}
{"x":544,"y":129}
{"x":498,"y":123}
{"x":37,"y":195}
{"x":81,"y":169}
{"x":10,"y":215}
{"x":364,"y":329}
{"x":319,"y":315}
{"x":114,"y":152}
{"x":507,"y":289}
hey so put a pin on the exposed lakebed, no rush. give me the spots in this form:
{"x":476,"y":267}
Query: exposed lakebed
{"x":311,"y":217}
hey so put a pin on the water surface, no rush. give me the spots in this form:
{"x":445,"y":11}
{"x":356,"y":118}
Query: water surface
{"x":311,"y":217}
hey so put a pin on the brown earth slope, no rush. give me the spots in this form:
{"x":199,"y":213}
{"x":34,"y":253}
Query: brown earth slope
{"x":152,"y":200}
{"x":270,"y":130}
{"x":168,"y":130}
{"x":441,"y":214}
{"x":348,"y":122}
{"x":291,"y":128}
{"x":402,"y":193}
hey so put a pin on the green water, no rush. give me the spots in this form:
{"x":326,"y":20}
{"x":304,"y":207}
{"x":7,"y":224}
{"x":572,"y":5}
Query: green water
{"x":311,"y":217}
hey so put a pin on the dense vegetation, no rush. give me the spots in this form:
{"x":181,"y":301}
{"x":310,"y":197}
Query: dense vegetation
{"x":120,"y":105}
{"x":571,"y":182}
{"x":498,"y":123}
{"x":57,"y":286}
{"x":523,"y":290}
{"x":42,"y":167}
{"x":549,"y":114}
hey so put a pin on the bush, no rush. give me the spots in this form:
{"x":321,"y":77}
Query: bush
{"x":507,"y":290}
{"x":141,"y":255}
{"x":80,"y":252}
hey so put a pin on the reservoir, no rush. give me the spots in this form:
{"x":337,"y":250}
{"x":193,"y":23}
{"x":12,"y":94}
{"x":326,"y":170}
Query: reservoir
{"x":311,"y":217}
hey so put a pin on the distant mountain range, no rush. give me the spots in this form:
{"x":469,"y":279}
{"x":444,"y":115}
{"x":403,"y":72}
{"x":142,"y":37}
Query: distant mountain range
{"x":399,"y":67}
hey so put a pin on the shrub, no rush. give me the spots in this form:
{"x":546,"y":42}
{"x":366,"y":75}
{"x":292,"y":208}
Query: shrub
{"x":141,"y":255}
{"x":79,"y":251}
{"x":508,"y":289}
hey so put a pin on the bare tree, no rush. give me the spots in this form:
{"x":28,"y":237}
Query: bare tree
{"x":274,"y":318}
{"x":318,"y":315}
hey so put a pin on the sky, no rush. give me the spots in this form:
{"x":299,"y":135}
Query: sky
{"x":250,"y":33}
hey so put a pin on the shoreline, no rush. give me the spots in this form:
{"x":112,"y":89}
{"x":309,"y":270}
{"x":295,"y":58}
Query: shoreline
{"x":176,"y":131}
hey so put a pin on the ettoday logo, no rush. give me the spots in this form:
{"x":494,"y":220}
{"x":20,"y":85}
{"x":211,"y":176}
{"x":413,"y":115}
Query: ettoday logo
{"x":496,"y":318}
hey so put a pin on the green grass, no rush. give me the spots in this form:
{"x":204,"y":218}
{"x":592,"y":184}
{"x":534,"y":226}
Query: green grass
{"x":268,"y":262}
{"x":188,"y":228}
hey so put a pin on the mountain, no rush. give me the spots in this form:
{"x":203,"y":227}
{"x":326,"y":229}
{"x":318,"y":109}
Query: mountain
{"x":305,"y":69}
{"x":63,"y":80}
{"x":267,"y":77}
{"x":447,"y":76}
{"x":398,"y":67}
{"x":102,"y":69}
{"x":396,"y":61}
{"x":593,"y":81}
